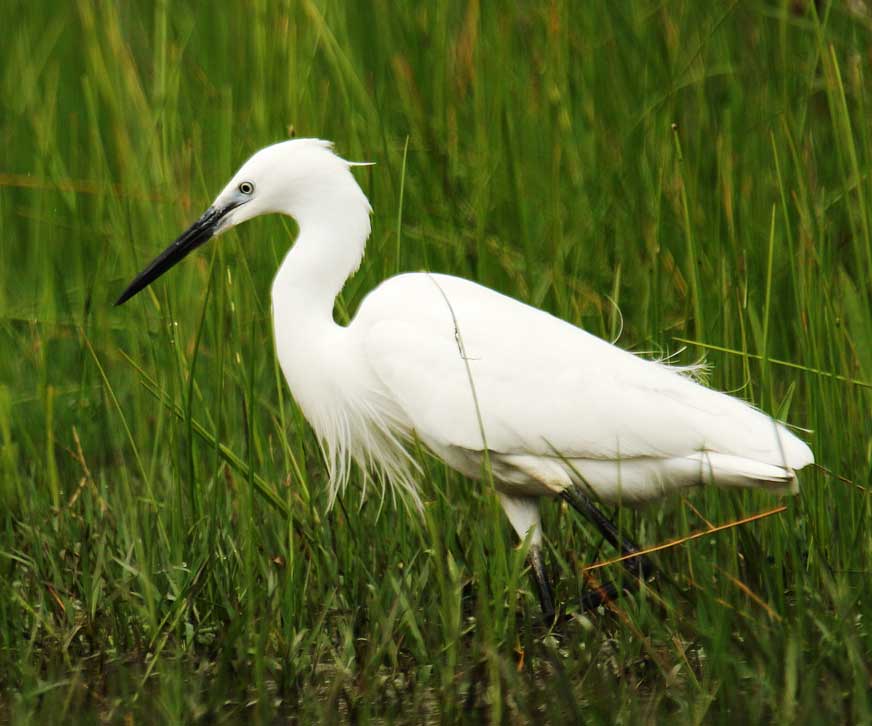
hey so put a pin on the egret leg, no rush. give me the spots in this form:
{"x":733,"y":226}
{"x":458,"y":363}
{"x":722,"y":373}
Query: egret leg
{"x":638,"y":567}
{"x":540,"y":575}
{"x":523,"y":513}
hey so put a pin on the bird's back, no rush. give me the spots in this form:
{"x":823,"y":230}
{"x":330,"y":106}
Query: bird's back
{"x":531,"y":384}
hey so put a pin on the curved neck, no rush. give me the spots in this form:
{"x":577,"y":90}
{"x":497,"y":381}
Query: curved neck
{"x":334,"y":226}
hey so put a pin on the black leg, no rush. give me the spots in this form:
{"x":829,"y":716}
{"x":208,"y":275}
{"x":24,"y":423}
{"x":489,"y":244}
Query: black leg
{"x":546,"y":599}
{"x":638,"y":567}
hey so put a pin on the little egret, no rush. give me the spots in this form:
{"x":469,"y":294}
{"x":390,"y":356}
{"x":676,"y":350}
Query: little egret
{"x":486,"y":382}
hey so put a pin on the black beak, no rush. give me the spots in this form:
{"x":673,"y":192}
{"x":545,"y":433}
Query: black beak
{"x":198,"y":233}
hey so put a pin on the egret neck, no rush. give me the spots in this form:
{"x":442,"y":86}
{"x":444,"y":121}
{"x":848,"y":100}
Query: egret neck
{"x":333,"y":228}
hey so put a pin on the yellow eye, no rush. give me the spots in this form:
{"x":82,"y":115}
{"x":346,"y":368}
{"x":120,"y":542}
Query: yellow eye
{"x":246,"y":188}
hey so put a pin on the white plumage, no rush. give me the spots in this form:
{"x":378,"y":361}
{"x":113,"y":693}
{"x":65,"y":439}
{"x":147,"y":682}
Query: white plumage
{"x":463,"y":369}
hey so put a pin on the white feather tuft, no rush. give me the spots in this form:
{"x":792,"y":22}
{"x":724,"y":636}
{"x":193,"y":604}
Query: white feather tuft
{"x":359,"y":433}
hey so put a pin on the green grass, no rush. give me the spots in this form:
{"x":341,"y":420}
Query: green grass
{"x":705,"y":167}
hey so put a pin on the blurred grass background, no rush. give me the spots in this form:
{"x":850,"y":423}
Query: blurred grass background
{"x":703,"y":167}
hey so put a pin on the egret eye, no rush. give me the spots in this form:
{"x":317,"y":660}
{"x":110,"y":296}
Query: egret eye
{"x":246,"y":188}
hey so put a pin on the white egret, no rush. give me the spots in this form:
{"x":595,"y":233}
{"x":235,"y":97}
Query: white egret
{"x":472,"y":373}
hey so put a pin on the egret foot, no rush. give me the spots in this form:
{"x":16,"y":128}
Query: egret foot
{"x":639,"y":568}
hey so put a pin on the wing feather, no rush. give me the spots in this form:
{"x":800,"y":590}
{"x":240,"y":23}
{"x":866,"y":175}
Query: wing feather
{"x":543,"y":386}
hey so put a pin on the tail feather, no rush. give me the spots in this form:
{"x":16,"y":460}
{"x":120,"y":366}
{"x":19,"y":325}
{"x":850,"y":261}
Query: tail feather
{"x":728,"y":470}
{"x":795,"y":452}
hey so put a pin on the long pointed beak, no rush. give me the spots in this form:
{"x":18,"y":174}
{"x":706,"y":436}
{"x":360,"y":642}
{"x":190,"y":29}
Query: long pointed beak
{"x":197,"y":234}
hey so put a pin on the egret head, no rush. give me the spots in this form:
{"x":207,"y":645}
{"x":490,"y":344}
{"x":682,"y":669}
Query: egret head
{"x":300,"y":178}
